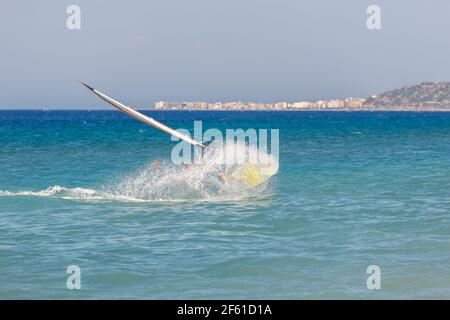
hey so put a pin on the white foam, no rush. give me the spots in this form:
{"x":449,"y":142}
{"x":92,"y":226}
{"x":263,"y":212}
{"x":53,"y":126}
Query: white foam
{"x":68,"y":193}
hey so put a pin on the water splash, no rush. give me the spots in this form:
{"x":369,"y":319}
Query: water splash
{"x":167,"y":182}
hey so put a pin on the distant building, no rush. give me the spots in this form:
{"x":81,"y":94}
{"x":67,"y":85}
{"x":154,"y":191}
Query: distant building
{"x":187,"y":105}
{"x":349,"y":103}
{"x":165,"y":105}
{"x":281,"y":105}
{"x":216,"y":106}
{"x":335,"y":104}
{"x":304,"y":105}
{"x":200,"y":105}
{"x":321,"y":104}
{"x":354,"y":103}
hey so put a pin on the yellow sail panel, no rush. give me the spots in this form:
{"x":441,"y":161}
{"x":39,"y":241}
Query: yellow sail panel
{"x":251,"y":175}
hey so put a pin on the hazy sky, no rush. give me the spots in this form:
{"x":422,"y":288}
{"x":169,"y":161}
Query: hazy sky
{"x":216,"y":50}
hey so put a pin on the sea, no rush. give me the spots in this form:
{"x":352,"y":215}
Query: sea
{"x":359,"y":209}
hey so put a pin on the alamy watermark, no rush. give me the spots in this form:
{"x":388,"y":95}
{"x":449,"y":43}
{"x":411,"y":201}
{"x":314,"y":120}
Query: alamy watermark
{"x":374,"y":280}
{"x":73,"y":21}
{"x":238,"y":146}
{"x":373,"y":21}
{"x":74,"y":279}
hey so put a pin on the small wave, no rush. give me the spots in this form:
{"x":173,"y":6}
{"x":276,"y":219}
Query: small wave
{"x":71,"y":194}
{"x":129,"y":195}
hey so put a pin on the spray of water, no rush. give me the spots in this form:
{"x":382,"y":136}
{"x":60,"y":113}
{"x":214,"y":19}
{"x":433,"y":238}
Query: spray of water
{"x":167,"y":182}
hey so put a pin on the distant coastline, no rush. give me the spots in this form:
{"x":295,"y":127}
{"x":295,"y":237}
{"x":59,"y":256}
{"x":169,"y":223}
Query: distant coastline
{"x":366,"y":109}
{"x":423,"y":97}
{"x":426,"y":96}
{"x":402,"y":109}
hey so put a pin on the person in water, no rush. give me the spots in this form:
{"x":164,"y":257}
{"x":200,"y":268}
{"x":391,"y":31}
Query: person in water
{"x":222,"y":178}
{"x":221,"y":174}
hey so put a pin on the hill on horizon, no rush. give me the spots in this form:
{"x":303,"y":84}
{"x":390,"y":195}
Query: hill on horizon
{"x":425,"y":94}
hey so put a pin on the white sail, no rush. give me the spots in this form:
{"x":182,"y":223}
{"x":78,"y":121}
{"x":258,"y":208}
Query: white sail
{"x":143,"y":118}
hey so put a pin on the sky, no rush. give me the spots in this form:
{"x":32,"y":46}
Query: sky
{"x":140,"y":52}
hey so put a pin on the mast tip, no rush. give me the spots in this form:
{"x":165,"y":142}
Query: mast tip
{"x":87,"y":86}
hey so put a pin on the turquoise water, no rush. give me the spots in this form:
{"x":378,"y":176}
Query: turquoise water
{"x":353,"y":189}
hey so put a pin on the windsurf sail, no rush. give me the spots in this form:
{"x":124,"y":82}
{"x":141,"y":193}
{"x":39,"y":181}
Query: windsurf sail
{"x":249,"y":175}
{"x":143,"y":118}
